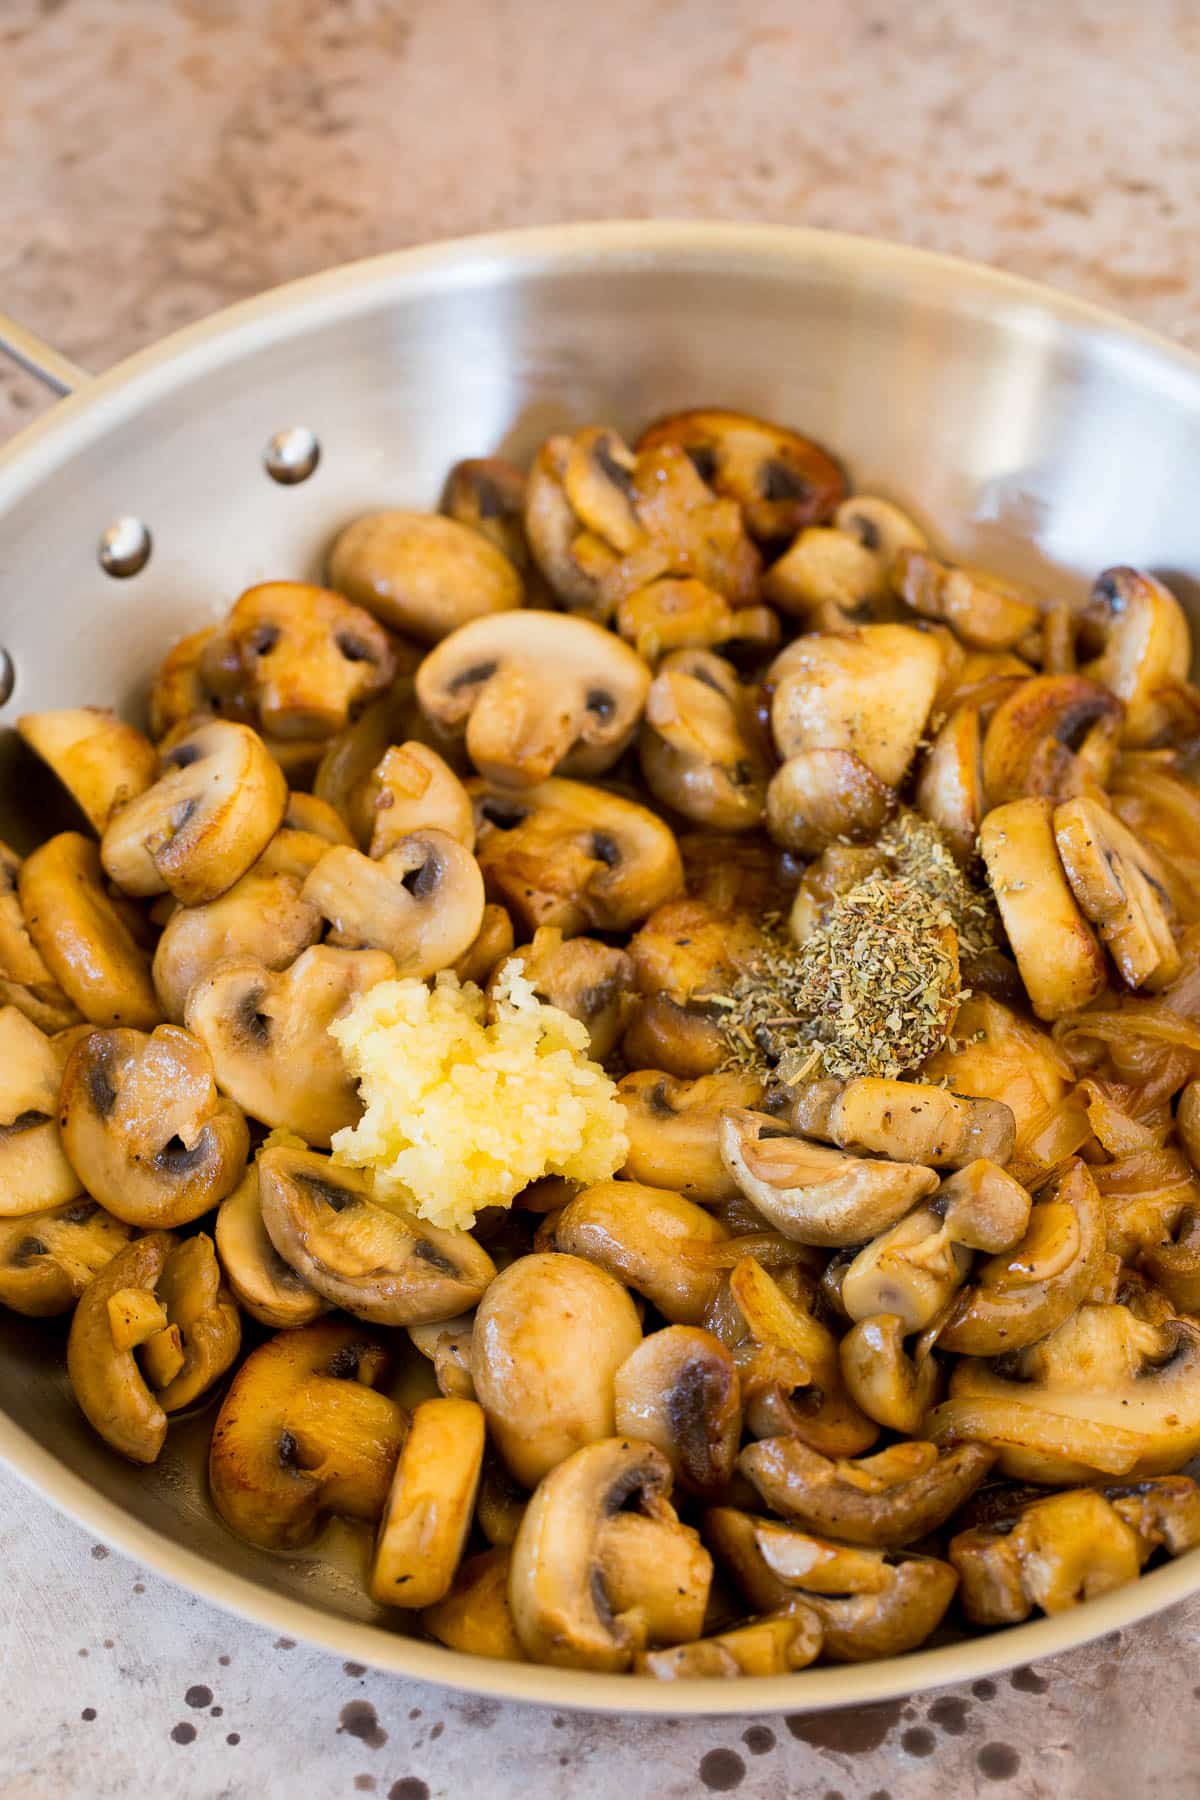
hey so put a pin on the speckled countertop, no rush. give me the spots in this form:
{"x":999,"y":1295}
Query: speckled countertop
{"x":159,"y":158}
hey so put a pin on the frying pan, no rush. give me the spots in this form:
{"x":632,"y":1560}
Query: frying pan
{"x":1027,"y":431}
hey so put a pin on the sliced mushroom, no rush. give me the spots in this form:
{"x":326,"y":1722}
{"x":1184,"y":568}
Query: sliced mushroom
{"x":48,"y":1258}
{"x":680,"y":1392}
{"x":35,"y":1173}
{"x":1004,"y":1056}
{"x":488,"y":493}
{"x":823,"y":797}
{"x":810,"y":1193}
{"x":655,"y":1573}
{"x":203,"y":1328}
{"x":262,"y":916}
{"x":303,"y":1432}
{"x":422,"y":902}
{"x":1175,"y":1267}
{"x":892,"y":1388}
{"x":567,"y":854}
{"x":550,"y":1334}
{"x":591,"y":981}
{"x":422,"y":574}
{"x":534,"y":693}
{"x":347,"y":778}
{"x":788,"y":1362}
{"x":108,"y":1384}
{"x":101,"y":761}
{"x":474,"y":1616}
{"x":831,"y":580}
{"x":868,"y":691}
{"x":777,"y":1644}
{"x":870,"y":1603}
{"x":501,"y":1503}
{"x":602,"y":523}
{"x":1106,"y":1393}
{"x":1147,"y":648}
{"x":881,"y":527}
{"x":702,"y":747}
{"x":837,"y":870}
{"x":888,"y":1500}
{"x":1060,"y":961}
{"x":638,"y":1234}
{"x":144,"y":1126}
{"x":557,"y":1588}
{"x":25,"y":981}
{"x":1069,"y":1548}
{"x":493,"y":944}
{"x":1020,"y":1294}
{"x":447,"y":1345}
{"x":416,"y":789}
{"x":909,"y":1121}
{"x":315,"y":818}
{"x":180,"y":692}
{"x":377,"y":1262}
{"x":268,"y":1035}
{"x":428,"y":1514}
{"x":268,"y":1288}
{"x":986,"y":612}
{"x":679,"y":613}
{"x":673,"y":1129}
{"x":1122,"y":888}
{"x":686,"y":952}
{"x":949,"y":788}
{"x":781,"y":481}
{"x":306,"y":659}
{"x":207,"y":819}
{"x":1053,"y":735}
{"x":83,"y":938}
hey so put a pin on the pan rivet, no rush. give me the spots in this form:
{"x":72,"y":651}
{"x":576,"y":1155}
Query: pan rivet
{"x":125,"y":547}
{"x":292,"y":455}
{"x":8,"y":677}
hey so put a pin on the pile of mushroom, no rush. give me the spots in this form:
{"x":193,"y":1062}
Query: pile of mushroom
{"x":845,"y":1355}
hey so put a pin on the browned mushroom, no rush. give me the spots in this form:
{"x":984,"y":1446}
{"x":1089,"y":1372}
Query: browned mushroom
{"x":1147,"y":648}
{"x":986,"y":612}
{"x":590,"y":980}
{"x":415,"y":789}
{"x":82,"y":936}
{"x":421,"y":574}
{"x":781,"y":481}
{"x":702,"y":747}
{"x":673,"y":1129}
{"x":638,"y":1234}
{"x":680,"y":1391}
{"x":890,"y":1499}
{"x":100,"y":760}
{"x":422,"y":901}
{"x":1060,"y":961}
{"x":488,"y":493}
{"x":1053,"y":735}
{"x":868,"y":692}
{"x":679,"y":613}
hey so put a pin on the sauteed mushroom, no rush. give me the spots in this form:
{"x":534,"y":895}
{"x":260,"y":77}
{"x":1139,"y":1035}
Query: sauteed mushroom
{"x":111,"y":1390}
{"x":306,"y":659}
{"x":1053,"y":735}
{"x":263,"y":916}
{"x":1147,"y":648}
{"x":1106,"y":1393}
{"x":268,"y":1035}
{"x":868,"y":691}
{"x":823,"y":797}
{"x":1071,"y":1547}
{"x":701,"y":746}
{"x":781,"y":481}
{"x":34,"y":1170}
{"x":584,"y":977}
{"x":655,"y":1572}
{"x":638,"y":1234}
{"x":679,"y":1391}
{"x":567,"y":854}
{"x":881,"y":527}
{"x":870,"y":1602}
{"x":145,"y":1128}
{"x":422,"y":901}
{"x":83,"y":938}
{"x":101,"y":761}
{"x":446,"y":1343}
{"x":268,"y":1288}
{"x":679,"y":613}
{"x":1020,"y":1294}
{"x":777,"y":1644}
{"x":686,"y":952}
{"x":535,"y":692}
{"x":1060,"y":961}
{"x":985,"y":612}
{"x":1121,"y":887}
{"x":348,"y":776}
{"x":418,"y":789}
{"x":550,"y":1334}
{"x":377,"y":1262}
{"x":673,"y":1130}
{"x":48,"y":1258}
{"x":25,"y":981}
{"x":488,"y":493}
{"x":890,"y":1499}
{"x":557,"y":1585}
{"x":831,"y":580}
{"x":302,"y":1432}
{"x":909,"y":1121}
{"x":209,"y":816}
{"x":428,"y":1514}
{"x":949,"y":788}
{"x":422,"y":574}
{"x":884,"y":1382}
{"x":1174,"y":1267}
{"x":493,"y":944}
{"x":203,"y":1333}
{"x":810,"y":1193}
{"x":475,"y":1617}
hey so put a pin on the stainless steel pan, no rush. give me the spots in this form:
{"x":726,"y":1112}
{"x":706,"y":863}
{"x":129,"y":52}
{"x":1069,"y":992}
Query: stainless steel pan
{"x":1028,"y":431}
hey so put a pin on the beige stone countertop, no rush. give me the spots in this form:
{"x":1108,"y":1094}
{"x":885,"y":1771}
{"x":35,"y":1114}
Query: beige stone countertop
{"x":160,"y":158}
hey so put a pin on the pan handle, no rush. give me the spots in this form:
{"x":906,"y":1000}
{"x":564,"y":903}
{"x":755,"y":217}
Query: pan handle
{"x":41,"y":359}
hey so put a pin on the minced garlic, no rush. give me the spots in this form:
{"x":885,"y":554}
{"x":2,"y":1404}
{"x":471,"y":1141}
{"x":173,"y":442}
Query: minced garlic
{"x":462,"y":1112}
